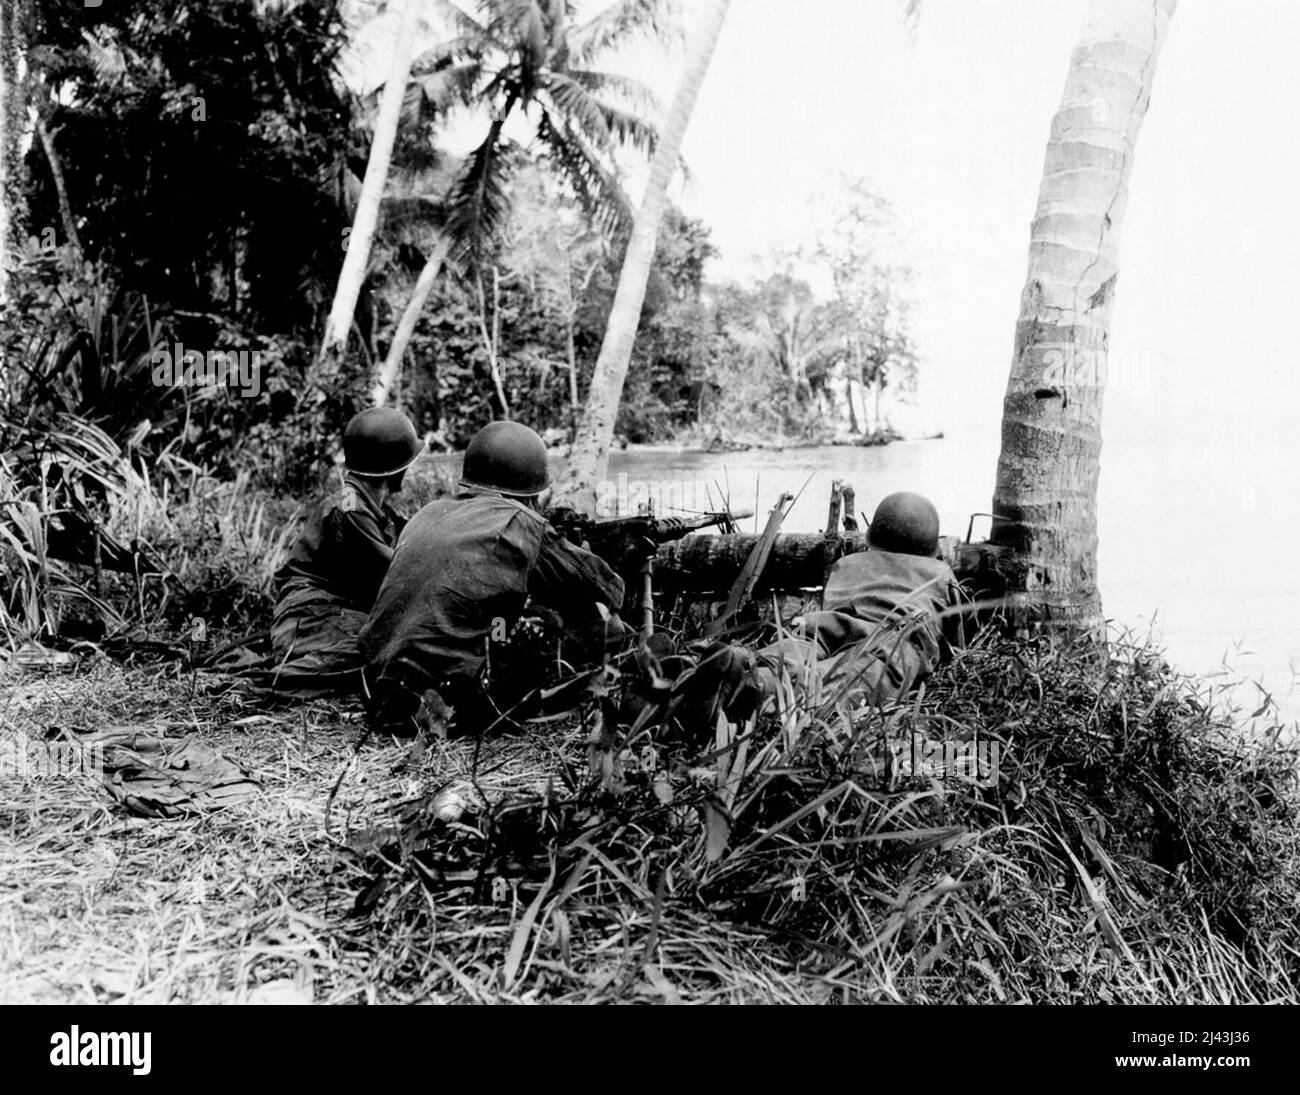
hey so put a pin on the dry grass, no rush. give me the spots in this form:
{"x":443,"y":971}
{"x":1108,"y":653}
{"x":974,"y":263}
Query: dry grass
{"x":1130,"y":851}
{"x":96,"y":906}
{"x":254,"y":902}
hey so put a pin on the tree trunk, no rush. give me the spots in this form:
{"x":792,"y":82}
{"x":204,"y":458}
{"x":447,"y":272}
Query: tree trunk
{"x":589,"y":455}
{"x":13,"y":121}
{"x":56,"y":170}
{"x":392,"y":366}
{"x":366,"y":218}
{"x":492,"y":341}
{"x":1045,"y":499}
{"x":702,"y":563}
{"x":852,"y":369}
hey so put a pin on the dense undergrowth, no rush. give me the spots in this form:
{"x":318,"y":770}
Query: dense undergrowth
{"x":1125,"y":845}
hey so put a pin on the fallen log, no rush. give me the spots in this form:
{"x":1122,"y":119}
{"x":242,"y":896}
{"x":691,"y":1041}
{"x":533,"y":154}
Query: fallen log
{"x":701,"y":565}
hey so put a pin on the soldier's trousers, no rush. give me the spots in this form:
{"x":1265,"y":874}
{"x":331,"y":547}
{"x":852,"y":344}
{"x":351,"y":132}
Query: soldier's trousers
{"x":858,"y":674}
{"x":314,"y":642}
{"x":501,"y":696}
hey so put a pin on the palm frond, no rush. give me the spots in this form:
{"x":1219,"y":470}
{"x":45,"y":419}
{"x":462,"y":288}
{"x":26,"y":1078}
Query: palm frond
{"x":432,"y":97}
{"x":460,"y":22}
{"x":479,"y":203}
{"x":621,"y":21}
{"x":452,"y":50}
{"x":454,"y":86}
{"x":630,"y":92}
{"x":592,"y":181}
{"x":911,"y":18}
{"x":602,"y":124}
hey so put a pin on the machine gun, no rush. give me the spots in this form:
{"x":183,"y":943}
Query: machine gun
{"x":628,"y":544}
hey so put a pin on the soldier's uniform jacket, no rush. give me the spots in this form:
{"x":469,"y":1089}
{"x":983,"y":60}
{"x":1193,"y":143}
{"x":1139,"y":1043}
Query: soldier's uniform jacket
{"x":343,"y":556}
{"x":885,"y":595}
{"x":461,"y":567}
{"x":879,"y":632}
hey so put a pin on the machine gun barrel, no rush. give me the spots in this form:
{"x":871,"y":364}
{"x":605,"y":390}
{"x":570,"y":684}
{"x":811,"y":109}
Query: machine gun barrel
{"x":630,"y":543}
{"x":658,"y":530}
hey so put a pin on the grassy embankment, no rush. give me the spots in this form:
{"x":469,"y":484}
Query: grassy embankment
{"x":1132,"y":848}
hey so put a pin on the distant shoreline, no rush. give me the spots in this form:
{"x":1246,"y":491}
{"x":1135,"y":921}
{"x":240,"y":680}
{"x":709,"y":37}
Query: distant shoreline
{"x":748,"y":445}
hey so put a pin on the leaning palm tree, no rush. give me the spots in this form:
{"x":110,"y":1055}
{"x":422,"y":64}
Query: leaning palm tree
{"x":529,"y":59}
{"x":1045,"y":499}
{"x":366,"y":218}
{"x":590,"y":452}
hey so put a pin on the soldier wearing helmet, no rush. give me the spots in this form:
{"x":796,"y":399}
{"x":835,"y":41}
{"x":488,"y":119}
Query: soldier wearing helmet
{"x":467,"y":573}
{"x":885,"y":621}
{"x":328,"y":585}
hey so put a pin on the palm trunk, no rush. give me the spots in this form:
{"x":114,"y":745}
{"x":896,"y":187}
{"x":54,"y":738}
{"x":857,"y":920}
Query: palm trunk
{"x":392,"y":366}
{"x":849,"y":394}
{"x":570,"y":348}
{"x":1045,"y":499}
{"x":492,"y":340}
{"x":56,"y":170}
{"x":366,"y":218}
{"x":589,"y":455}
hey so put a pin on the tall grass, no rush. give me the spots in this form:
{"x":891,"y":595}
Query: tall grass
{"x":1131,"y":846}
{"x":141,"y":543}
{"x":51,"y":480}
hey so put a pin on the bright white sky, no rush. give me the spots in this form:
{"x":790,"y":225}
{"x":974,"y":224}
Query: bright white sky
{"x":952,"y":130}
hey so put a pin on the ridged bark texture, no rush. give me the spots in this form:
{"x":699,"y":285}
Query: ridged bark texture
{"x":1045,"y":499}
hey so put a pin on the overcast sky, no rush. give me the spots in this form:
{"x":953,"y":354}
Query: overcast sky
{"x":952,"y":129}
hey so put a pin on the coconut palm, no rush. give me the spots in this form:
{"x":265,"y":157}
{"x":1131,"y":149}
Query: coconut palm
{"x":528,"y":59}
{"x":590,"y":452}
{"x":366,"y":217}
{"x":1045,"y":499}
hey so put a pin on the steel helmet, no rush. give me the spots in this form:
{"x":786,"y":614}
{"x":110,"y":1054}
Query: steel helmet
{"x":906,"y":523}
{"x":380,"y":441}
{"x":506,"y":457}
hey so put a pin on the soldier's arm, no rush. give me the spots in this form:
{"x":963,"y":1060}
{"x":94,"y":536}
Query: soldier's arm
{"x":365,"y":548}
{"x":565,"y":574}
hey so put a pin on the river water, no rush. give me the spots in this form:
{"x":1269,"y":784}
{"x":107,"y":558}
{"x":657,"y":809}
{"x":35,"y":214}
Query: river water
{"x":1193,"y":530}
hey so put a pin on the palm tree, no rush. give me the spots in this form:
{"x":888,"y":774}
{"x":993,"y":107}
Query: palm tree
{"x":366,"y":217}
{"x":530,"y":58}
{"x":1045,"y":499}
{"x":589,"y":455}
